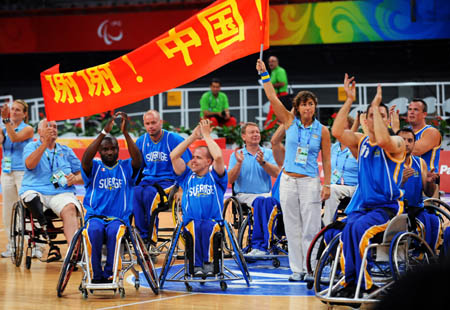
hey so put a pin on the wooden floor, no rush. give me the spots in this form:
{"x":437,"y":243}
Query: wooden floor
{"x":36,"y":289}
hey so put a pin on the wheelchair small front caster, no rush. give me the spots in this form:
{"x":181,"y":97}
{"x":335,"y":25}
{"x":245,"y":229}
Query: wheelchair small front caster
{"x":276,"y":262}
{"x":137,"y":284}
{"x":188,"y":287}
{"x":85,"y":293}
{"x":223,"y":285}
{"x":122,"y":292}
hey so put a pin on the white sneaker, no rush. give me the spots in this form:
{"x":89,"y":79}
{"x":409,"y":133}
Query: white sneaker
{"x":296,"y":277}
{"x":7,"y":253}
{"x":36,"y":252}
{"x":256,"y":252}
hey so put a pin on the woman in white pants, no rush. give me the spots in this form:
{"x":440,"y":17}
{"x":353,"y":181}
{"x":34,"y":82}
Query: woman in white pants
{"x":13,"y":138}
{"x":300,"y":192}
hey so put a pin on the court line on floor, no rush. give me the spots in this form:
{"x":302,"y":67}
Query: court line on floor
{"x":146,"y":301}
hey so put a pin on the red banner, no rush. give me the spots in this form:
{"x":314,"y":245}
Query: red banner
{"x":223,"y":32}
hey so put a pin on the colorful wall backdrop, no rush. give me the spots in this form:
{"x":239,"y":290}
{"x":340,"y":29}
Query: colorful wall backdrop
{"x":359,"y":21}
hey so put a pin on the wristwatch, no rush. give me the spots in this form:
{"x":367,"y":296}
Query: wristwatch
{"x":6,"y":120}
{"x":263,"y":163}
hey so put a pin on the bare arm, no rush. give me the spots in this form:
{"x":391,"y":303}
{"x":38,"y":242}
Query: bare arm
{"x":428,"y":179}
{"x":136,"y":158}
{"x":326,"y":163}
{"x":213,"y":147}
{"x":34,"y":158}
{"x":91,"y":150}
{"x":394,"y":145}
{"x":178,"y":163}
{"x":269,"y":168}
{"x":280,"y":111}
{"x":347,"y":137}
{"x":395,"y":119}
{"x":355,"y":125}
{"x":278,"y":149}
{"x":25,"y":134}
{"x":234,"y":172}
{"x":430,"y":139}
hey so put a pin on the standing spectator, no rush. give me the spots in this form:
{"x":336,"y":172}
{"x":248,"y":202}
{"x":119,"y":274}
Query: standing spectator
{"x":13,"y":138}
{"x":214,"y":106}
{"x":300,"y":193}
{"x":278,"y":77}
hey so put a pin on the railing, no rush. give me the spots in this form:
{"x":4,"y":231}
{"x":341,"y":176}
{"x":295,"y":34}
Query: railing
{"x":248,"y":103}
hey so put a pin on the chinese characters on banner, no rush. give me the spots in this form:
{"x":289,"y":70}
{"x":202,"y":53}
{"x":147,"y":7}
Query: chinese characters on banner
{"x":223,"y":32}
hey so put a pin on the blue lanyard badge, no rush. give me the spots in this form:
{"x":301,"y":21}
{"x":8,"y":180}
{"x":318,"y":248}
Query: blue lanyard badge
{"x":336,"y":176}
{"x":301,"y":157}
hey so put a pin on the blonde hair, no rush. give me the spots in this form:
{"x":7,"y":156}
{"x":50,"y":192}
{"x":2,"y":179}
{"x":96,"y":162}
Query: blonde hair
{"x":25,"y":108}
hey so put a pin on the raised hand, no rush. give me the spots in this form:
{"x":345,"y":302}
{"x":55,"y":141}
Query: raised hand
{"x":350,"y":87}
{"x":205,"y":127}
{"x":125,"y":121}
{"x":196,"y":133}
{"x":378,"y":97}
{"x":5,"y":111}
{"x":109,"y":125}
{"x":260,"y":157}
{"x":239,"y":156}
{"x":431,"y":176}
{"x":395,"y":118}
{"x":260,"y":66}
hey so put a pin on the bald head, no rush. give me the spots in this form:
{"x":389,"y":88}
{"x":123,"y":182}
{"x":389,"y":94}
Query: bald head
{"x":153,"y":124}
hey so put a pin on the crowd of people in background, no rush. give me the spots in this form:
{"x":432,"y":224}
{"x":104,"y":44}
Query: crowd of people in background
{"x":373,"y":160}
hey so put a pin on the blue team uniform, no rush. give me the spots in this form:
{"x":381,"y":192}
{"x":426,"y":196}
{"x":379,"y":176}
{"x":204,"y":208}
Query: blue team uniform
{"x":379,"y":178}
{"x":432,"y":156}
{"x":428,"y":222}
{"x":108,"y":203}
{"x":156,"y":168}
{"x":202,"y":206}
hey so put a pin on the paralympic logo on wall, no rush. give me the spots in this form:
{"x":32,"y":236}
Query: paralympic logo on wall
{"x":266,"y":280}
{"x":110,"y":31}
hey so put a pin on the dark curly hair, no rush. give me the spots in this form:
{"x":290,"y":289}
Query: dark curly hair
{"x":303,"y":96}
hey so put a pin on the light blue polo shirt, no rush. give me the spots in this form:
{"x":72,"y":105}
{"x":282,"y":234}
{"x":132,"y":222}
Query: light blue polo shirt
{"x":252,"y":179}
{"x":15,"y":150}
{"x":344,"y":162}
{"x":60,"y":158}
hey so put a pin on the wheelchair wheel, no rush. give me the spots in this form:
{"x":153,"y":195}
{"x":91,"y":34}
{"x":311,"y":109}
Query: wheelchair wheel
{"x":17,"y":233}
{"x":237,"y":253}
{"x":74,"y":255}
{"x":407,"y":252}
{"x":145,"y":261}
{"x":323,"y":271}
{"x":232,"y":213}
{"x":245,"y":234}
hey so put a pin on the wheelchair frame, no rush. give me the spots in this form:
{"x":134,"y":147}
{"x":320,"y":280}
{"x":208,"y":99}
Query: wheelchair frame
{"x":21,"y":218}
{"x":77,"y":256}
{"x":222,"y":277}
{"x":393,"y":256}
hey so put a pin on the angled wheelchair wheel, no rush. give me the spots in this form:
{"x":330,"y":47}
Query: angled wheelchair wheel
{"x":17,"y":233}
{"x":407,"y":252}
{"x":245,"y":234}
{"x":74,"y":255}
{"x":323,"y":279}
{"x":232,"y":213}
{"x":168,"y":259}
{"x":145,"y":261}
{"x":237,"y":253}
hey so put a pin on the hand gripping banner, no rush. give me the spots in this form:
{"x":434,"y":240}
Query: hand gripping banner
{"x":223,"y":32}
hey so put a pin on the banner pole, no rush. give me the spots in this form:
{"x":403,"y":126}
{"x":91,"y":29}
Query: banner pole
{"x":263,"y":20}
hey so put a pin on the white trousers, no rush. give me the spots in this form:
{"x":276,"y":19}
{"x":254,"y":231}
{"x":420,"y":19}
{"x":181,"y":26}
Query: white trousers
{"x":248,"y":198}
{"x":337,"y":192}
{"x":10,"y":191}
{"x":301,"y":206}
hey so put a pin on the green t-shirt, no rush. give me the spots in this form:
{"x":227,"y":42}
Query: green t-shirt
{"x":278,"y":75}
{"x":210,"y":103}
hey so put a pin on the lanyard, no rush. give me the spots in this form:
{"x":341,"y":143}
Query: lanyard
{"x":300,"y":133}
{"x":345,"y":161}
{"x":53,"y":158}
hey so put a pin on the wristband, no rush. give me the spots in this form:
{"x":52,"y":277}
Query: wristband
{"x":104,"y":132}
{"x":264,"y":74}
{"x":265,"y":78}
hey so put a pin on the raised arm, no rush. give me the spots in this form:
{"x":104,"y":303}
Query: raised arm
{"x":234,"y":172}
{"x":430,"y":139}
{"x":428,"y":179}
{"x":394,"y":145}
{"x":346,"y":136}
{"x":278,"y":149}
{"x":178,"y":163}
{"x":395,"y":118}
{"x":91,"y":150}
{"x":47,"y":136}
{"x":213,"y":147}
{"x":24,"y":134}
{"x":280,"y":111}
{"x":136,"y":158}
{"x":325,"y":147}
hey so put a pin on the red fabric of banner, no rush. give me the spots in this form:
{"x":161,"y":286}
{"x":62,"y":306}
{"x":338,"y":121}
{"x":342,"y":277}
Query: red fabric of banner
{"x":223,"y":32}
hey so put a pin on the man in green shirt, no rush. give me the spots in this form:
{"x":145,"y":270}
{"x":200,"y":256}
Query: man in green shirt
{"x":278,"y":77}
{"x":214,"y":106}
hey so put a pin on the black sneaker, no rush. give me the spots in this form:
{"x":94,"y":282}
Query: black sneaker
{"x":198,"y":272}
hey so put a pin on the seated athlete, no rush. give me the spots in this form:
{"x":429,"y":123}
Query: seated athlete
{"x":108,"y":200}
{"x":203,"y":191}
{"x":380,"y":159}
{"x":416,"y":181}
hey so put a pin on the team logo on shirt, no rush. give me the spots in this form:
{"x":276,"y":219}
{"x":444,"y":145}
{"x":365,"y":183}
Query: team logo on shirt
{"x":156,"y":156}
{"x":110,"y":183}
{"x":201,"y":190}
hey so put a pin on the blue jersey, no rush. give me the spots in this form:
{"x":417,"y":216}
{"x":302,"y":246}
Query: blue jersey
{"x":202,"y":195}
{"x":156,"y":155}
{"x":432,"y":156}
{"x":414,"y":186}
{"x":61,"y":158}
{"x":379,"y":175}
{"x":15,"y":150}
{"x":109,"y":189}
{"x":310,"y":139}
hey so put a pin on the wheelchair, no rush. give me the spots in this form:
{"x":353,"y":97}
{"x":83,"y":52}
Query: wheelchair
{"x":166,"y":204}
{"x":134,"y":257}
{"x":389,"y":255}
{"x":181,"y":248}
{"x":26,"y":228}
{"x":277,"y":246}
